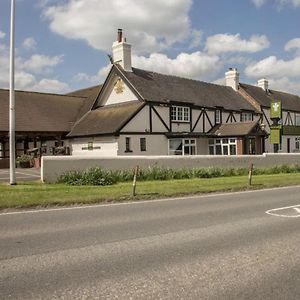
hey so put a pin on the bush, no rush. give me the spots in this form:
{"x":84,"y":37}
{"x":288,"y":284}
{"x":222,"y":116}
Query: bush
{"x":93,"y":176}
{"x":24,"y":158}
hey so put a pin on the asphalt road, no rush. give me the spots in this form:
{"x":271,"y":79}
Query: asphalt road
{"x":212,"y":247}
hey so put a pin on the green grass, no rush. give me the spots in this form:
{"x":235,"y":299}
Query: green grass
{"x":42,"y":195}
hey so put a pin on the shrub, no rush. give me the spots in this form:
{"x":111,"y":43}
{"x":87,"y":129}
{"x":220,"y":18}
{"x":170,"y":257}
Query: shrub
{"x":97,"y":176}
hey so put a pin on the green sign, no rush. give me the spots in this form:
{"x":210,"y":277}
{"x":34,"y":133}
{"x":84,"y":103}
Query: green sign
{"x":275,"y":110}
{"x":275,"y":135}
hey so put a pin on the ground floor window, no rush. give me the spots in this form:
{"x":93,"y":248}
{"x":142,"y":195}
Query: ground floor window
{"x":1,"y":150}
{"x":297,"y":143}
{"x":182,"y":147}
{"x":226,"y":146}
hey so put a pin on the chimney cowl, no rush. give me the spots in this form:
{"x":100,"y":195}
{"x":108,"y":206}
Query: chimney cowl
{"x":119,"y":36}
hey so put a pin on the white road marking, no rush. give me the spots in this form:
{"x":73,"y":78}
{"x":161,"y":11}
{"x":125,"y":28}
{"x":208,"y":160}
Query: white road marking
{"x":143,"y":201}
{"x":286,"y":212}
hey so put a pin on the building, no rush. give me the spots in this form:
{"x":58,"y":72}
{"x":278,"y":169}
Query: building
{"x":137,"y":112}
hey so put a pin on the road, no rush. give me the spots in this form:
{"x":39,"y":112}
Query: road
{"x":211,"y":247}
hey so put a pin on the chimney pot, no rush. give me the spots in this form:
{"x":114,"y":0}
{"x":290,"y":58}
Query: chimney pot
{"x":119,"y":37}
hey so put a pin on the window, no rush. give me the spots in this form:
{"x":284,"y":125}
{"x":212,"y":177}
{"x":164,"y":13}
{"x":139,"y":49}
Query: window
{"x":246,"y":117}
{"x":143,"y":144}
{"x":218,"y":116}
{"x":297,"y":119}
{"x":222,"y":146}
{"x":180,"y":114}
{"x":128,"y":144}
{"x":297,"y":143}
{"x":182,"y":147}
{"x":1,"y":150}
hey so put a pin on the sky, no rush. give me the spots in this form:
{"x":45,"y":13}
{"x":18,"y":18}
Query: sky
{"x":62,"y":45}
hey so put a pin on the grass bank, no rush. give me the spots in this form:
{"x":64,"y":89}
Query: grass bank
{"x":43,"y":195}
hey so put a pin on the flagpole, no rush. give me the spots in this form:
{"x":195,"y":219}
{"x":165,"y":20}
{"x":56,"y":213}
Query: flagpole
{"x":12,"y":121}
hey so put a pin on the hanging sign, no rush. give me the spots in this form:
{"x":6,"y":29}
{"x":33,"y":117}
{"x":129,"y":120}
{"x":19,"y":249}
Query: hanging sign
{"x":275,"y":134}
{"x":275,"y":110}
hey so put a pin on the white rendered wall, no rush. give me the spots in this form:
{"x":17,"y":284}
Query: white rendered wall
{"x":108,"y":146}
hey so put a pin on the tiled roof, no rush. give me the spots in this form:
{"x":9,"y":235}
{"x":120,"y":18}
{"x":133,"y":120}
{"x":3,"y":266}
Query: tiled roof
{"x":90,"y":94}
{"x":166,"y":88}
{"x":40,"y":112}
{"x":105,"y":120}
{"x":288,"y":101}
{"x":235,"y":129}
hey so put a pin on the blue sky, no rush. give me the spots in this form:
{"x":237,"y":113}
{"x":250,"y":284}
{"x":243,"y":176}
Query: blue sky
{"x":63,"y":45}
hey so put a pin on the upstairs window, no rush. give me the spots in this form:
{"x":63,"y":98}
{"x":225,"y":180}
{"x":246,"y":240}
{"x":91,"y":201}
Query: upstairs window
{"x":218,"y":116}
{"x":297,"y":143}
{"x":246,"y":117}
{"x":180,"y":114}
{"x":297,"y":119}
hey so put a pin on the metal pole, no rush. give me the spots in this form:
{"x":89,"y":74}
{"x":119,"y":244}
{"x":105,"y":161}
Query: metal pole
{"x":12,"y":122}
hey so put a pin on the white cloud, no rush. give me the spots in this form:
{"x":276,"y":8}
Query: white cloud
{"x":29,"y":43}
{"x":259,"y":3}
{"x":294,"y":3}
{"x":274,"y":67}
{"x":285,"y":84}
{"x":93,"y":79}
{"x":279,"y":3}
{"x":46,"y":85}
{"x":2,"y":34}
{"x":39,"y":63}
{"x":196,"y":38}
{"x":149,"y":25}
{"x":194,"y":65}
{"x":293,"y":44}
{"x":222,"y":43}
{"x":25,"y":79}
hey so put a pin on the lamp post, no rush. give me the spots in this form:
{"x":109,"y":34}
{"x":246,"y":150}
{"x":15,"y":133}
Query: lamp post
{"x":12,"y":122}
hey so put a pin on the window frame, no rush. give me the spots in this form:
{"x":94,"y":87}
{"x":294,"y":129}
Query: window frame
{"x":128,"y":144}
{"x":143,"y":145}
{"x":185,"y":142}
{"x":180,"y":114}
{"x":245,"y":116}
{"x":221,"y":144}
{"x":218,"y":116}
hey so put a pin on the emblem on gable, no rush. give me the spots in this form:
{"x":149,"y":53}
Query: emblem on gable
{"x":119,"y":86}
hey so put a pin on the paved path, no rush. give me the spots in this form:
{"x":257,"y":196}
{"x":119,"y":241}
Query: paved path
{"x":31,"y":174}
{"x":231,"y":246}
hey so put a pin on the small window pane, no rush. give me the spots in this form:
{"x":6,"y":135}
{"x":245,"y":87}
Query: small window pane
{"x":218,"y":150}
{"x":143,"y":144}
{"x":232,"y":149}
{"x":225,"y":150}
{"x":225,"y":141}
{"x":211,"y":150}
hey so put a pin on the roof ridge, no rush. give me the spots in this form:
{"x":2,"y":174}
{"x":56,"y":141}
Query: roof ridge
{"x":42,"y":93}
{"x":181,"y":77}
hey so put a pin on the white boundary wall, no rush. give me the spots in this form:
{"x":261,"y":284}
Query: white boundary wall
{"x":53,"y":166}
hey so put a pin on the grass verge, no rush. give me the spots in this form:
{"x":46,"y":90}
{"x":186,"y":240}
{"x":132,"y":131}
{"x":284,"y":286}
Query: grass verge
{"x":42,"y":195}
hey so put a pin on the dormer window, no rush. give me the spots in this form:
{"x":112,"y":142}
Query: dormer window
{"x":246,"y":117}
{"x":180,"y":114}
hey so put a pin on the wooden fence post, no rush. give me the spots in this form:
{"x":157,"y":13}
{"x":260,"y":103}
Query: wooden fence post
{"x":135,"y":174}
{"x":250,"y":174}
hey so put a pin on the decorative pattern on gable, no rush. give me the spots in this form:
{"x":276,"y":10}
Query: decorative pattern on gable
{"x":117,"y":91}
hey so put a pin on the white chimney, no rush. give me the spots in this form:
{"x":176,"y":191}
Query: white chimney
{"x":232,"y":78}
{"x":264,"y":84}
{"x":122,"y":52}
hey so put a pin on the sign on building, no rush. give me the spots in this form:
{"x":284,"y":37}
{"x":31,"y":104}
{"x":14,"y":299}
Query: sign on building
{"x":275,"y":110}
